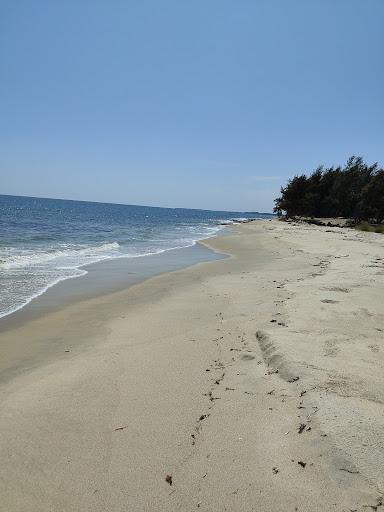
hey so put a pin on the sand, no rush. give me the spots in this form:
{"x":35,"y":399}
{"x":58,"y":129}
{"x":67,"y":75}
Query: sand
{"x":254,"y":383}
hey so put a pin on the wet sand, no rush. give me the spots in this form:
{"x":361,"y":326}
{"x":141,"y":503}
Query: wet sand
{"x":249,"y":383}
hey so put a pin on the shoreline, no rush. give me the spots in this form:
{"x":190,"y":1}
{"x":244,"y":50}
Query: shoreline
{"x":237,"y":377}
{"x":106,"y":277}
{"x":41,"y":254}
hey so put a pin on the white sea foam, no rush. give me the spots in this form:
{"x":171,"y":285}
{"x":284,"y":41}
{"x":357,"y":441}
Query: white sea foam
{"x":39,"y":292}
{"x":12,"y":258}
{"x":28,"y":273}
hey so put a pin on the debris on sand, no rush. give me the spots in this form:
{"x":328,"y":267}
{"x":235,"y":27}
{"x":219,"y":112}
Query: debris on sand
{"x":168,"y":479}
{"x":302,"y":427}
{"x":352,"y":471}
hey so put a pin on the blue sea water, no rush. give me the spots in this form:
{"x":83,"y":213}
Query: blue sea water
{"x":45,"y":241}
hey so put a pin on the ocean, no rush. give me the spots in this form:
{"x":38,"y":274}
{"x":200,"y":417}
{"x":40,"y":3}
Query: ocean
{"x":45,"y":241}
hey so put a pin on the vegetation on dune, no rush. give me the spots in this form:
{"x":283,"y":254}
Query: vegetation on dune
{"x":354,"y":191}
{"x":365,"y":226}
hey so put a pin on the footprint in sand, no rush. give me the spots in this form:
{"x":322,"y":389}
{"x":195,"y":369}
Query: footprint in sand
{"x":336,"y":289}
{"x":331,"y":349}
{"x":247,"y":357}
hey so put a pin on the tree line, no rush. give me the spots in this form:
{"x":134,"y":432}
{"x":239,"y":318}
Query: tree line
{"x":355,"y":191}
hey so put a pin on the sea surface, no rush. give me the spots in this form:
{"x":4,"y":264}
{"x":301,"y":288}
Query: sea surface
{"x":45,"y":241}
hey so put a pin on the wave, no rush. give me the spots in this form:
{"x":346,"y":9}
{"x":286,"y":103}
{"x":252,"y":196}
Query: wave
{"x":29,"y":273}
{"x":32,"y":257}
{"x":38,"y":293}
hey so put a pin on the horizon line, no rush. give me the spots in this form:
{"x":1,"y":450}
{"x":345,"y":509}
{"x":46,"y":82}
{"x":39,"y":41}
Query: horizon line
{"x":137,"y":205}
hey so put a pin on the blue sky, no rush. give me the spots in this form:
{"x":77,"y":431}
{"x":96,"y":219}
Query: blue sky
{"x":205,"y":103}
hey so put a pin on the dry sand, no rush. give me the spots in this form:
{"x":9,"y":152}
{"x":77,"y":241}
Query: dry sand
{"x":255,"y":382}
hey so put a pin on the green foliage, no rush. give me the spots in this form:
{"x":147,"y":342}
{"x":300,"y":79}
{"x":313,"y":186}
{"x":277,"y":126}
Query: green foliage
{"x":354,"y":191}
{"x":372,"y":228}
{"x":373,"y":197}
{"x":364,"y":226}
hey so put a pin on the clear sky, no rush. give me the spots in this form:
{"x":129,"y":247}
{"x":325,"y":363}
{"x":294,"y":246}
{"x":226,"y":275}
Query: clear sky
{"x":186,"y":103}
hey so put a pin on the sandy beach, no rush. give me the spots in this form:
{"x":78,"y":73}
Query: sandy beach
{"x":251,"y":383}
